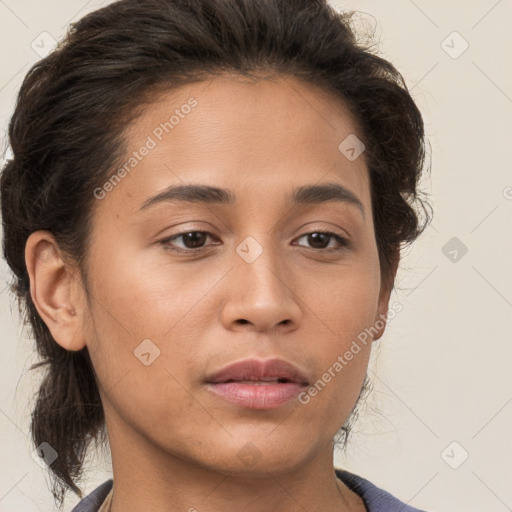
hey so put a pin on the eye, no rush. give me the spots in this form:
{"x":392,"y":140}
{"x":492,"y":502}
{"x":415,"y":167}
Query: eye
{"x":321,"y":240}
{"x":192,"y":240}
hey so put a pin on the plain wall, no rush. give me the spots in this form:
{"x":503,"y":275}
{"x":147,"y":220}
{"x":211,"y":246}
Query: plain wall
{"x":442,"y":371}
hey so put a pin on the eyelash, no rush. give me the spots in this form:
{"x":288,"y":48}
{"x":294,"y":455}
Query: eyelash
{"x":344,"y":243}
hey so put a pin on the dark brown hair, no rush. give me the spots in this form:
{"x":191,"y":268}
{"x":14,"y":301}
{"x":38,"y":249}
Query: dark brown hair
{"x":67,"y":129}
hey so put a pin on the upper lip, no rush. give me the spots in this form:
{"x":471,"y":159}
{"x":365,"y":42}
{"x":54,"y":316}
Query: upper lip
{"x":258,"y":370}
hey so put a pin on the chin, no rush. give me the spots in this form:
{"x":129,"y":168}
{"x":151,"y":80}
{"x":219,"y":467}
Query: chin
{"x":258,"y":457}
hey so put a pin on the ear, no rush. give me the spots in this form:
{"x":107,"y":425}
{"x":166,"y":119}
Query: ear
{"x":385,"y":292}
{"x":53,"y":290}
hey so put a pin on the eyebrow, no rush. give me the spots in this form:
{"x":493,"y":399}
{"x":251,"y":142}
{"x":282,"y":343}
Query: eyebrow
{"x":306,"y":194}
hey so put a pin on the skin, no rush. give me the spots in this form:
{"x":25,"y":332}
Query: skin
{"x":172,"y":440}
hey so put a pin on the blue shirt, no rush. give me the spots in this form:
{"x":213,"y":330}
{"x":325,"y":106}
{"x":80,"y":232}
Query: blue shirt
{"x":374,"y":498}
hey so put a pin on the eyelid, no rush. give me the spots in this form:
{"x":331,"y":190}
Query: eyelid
{"x":342,"y":240}
{"x":165,"y":241}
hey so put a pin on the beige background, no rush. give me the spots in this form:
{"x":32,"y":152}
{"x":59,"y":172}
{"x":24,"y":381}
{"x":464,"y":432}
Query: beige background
{"x":442,"y":371}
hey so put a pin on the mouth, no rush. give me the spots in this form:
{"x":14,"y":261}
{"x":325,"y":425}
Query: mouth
{"x":256,"y":384}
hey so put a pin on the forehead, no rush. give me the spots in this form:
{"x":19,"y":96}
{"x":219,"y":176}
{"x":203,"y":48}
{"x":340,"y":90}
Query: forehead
{"x":256,"y":137}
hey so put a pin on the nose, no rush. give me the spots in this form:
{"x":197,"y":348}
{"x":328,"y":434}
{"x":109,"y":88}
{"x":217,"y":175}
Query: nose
{"x":260,"y":294}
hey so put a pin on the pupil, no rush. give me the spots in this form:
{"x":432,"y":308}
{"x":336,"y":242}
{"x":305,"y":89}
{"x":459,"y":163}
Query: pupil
{"x":196,"y":238}
{"x":315,"y":237}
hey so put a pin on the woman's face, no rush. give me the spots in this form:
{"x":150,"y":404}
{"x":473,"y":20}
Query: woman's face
{"x":260,"y":284}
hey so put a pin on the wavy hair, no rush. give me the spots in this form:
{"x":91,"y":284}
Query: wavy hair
{"x":67,"y":137}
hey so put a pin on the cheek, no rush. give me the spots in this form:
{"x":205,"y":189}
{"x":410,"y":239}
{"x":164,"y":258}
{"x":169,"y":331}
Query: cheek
{"x":141,"y":334}
{"x":143,"y":296}
{"x":343,"y":298}
{"x":344,"y":305}
{"x":144,"y":328}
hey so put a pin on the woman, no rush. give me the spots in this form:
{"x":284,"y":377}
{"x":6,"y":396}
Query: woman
{"x":221,"y":367}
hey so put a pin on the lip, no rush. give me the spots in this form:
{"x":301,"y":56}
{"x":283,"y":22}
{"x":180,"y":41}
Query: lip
{"x":257,"y":384}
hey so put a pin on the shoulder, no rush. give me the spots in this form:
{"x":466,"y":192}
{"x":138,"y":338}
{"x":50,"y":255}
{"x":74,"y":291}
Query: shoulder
{"x":375,"y":499}
{"x":93,"y":501}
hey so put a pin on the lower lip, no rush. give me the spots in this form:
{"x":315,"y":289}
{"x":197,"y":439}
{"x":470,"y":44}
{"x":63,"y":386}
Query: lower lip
{"x":256,"y":396}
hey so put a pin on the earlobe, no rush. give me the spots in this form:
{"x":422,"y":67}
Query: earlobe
{"x":51,"y":281}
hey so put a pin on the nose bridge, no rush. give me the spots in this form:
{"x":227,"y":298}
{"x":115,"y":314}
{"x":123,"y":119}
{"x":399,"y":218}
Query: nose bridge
{"x":260,"y":290}
{"x":261,"y":267}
